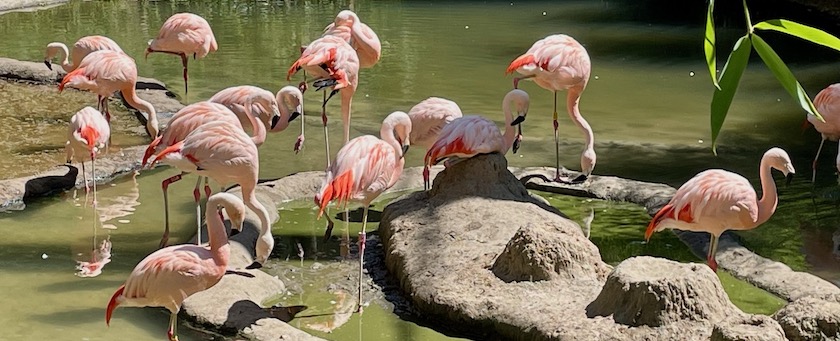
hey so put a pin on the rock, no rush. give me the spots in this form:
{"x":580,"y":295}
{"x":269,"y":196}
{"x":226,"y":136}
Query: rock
{"x":654,"y":292}
{"x":538,"y":253}
{"x":22,"y":5}
{"x":748,"y":328}
{"x":811,"y":318}
{"x":33,"y":72}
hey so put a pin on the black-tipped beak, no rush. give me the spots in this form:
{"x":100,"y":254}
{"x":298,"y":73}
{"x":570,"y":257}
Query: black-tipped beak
{"x":234,"y":232}
{"x":48,"y":64}
{"x":404,"y":150}
{"x":294,"y":116}
{"x":515,"y":146}
{"x":517,"y":120}
{"x":789,"y":179}
{"x":274,"y":121}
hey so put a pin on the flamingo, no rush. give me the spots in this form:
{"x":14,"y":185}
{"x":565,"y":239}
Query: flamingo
{"x":360,"y":36}
{"x":168,"y":276}
{"x":558,"y":62}
{"x":427,"y":120}
{"x":184,"y":34}
{"x":334,"y":64}
{"x":107,"y":71}
{"x":223,"y":152}
{"x":827,"y":103}
{"x":185,"y":121}
{"x":273,"y":111}
{"x":471,"y":135}
{"x":363,"y":169}
{"x":88,"y":134}
{"x":716,"y":200}
{"x":83,"y":47}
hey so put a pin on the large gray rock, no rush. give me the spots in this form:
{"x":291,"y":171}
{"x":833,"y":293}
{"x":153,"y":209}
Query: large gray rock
{"x":811,"y":318}
{"x":26,"y":5}
{"x":748,"y":328}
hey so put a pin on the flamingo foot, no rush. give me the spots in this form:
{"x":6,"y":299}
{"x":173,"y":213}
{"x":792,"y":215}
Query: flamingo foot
{"x":299,"y":143}
{"x":328,"y":231}
{"x":581,"y":178}
{"x":712,"y":263}
{"x":303,"y":87}
{"x":516,"y":82}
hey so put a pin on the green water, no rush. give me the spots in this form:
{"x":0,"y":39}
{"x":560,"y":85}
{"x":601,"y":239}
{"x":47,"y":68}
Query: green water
{"x":649,"y":113}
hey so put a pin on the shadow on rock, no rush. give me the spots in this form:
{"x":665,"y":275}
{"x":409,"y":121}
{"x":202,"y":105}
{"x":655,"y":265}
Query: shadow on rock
{"x":244,"y":313}
{"x":45,"y":186}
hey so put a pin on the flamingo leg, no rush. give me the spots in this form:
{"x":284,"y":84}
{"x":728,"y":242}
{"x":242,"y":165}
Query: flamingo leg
{"x":517,"y":79}
{"x":184,"y":60}
{"x":93,"y":180}
{"x":362,"y":237}
{"x":814,"y":164}
{"x":165,"y":185}
{"x":326,"y":132}
{"x":197,"y":197}
{"x":556,"y":142}
{"x":330,"y":225}
{"x":710,"y":259}
{"x":84,"y":178}
{"x":426,"y":178}
{"x":173,"y":325}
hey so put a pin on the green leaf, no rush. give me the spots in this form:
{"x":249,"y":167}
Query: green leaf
{"x":730,"y":76}
{"x":783,"y":74}
{"x":709,"y":44}
{"x":808,"y":33}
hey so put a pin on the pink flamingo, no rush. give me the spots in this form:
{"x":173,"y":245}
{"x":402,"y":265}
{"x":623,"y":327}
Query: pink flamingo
{"x":87,"y":135}
{"x":185,"y":121}
{"x":471,"y":135}
{"x":363,"y":169}
{"x":168,"y":276}
{"x":223,"y":152}
{"x":184,"y":34}
{"x":107,"y":71}
{"x":716,"y":200}
{"x":334,"y":63}
{"x":83,"y":47}
{"x":360,"y":36}
{"x":558,"y":62}
{"x":275,"y":112}
{"x":427,"y":120}
{"x":828,"y":104}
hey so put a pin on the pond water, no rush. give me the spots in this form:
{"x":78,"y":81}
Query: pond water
{"x":647,"y":101}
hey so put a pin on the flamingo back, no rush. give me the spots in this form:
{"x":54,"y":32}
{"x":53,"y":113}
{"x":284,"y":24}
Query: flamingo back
{"x":103,"y":72}
{"x":85,"y":45}
{"x":263,"y":107}
{"x":359,"y":35}
{"x":329,"y":56}
{"x":185,"y":33}
{"x":827,"y":103}
{"x":222,"y":151}
{"x":466,"y":137}
{"x":429,"y":117}
{"x":558,"y":62}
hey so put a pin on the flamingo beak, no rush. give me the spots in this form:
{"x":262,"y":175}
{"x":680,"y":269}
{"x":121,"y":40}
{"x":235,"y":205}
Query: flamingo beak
{"x":274,"y":121}
{"x":294,"y":115}
{"x":404,"y":150}
{"x":789,"y":179}
{"x":519,"y":119}
{"x":48,"y":64}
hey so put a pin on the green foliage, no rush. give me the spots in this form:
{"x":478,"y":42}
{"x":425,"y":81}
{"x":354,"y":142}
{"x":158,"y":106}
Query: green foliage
{"x":727,"y":84}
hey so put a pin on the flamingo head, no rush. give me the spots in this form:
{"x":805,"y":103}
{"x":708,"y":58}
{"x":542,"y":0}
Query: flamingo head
{"x":398,"y":125}
{"x":237,"y":219}
{"x":587,"y":162}
{"x":346,"y":18}
{"x":779,"y":159}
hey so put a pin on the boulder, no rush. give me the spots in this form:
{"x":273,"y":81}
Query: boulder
{"x":655,"y":292}
{"x":811,"y":318}
{"x":748,"y":328}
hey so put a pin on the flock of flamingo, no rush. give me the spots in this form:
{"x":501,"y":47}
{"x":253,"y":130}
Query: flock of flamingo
{"x":209,"y":138}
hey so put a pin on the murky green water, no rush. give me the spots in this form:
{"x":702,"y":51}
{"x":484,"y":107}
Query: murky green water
{"x":649,"y":113}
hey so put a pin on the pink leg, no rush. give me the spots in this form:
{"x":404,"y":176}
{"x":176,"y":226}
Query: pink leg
{"x":710,"y":259}
{"x":362,"y":238}
{"x":207,"y":190}
{"x":165,"y":185}
{"x":184,"y":61}
{"x":197,"y":197}
{"x":426,"y":177}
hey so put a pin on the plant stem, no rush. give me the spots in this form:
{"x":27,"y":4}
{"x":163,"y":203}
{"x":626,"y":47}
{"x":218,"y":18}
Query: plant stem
{"x":747,"y":15}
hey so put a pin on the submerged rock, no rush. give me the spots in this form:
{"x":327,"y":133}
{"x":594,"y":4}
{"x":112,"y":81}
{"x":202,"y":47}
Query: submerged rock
{"x":811,"y":318}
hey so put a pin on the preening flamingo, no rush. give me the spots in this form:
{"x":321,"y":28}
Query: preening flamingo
{"x":107,"y":71}
{"x":363,"y":169}
{"x":184,"y":34}
{"x":275,"y":112}
{"x":360,"y":36}
{"x":83,"y":47}
{"x":471,"y":135}
{"x":168,"y":276}
{"x":88,"y":134}
{"x":334,"y":63}
{"x":184,"y":122}
{"x":427,"y":120}
{"x":558,"y":62}
{"x":827,"y":103}
{"x":717,"y":200}
{"x":223,"y":152}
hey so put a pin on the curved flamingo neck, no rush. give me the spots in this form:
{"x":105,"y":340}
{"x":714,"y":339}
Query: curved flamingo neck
{"x":572,"y":106}
{"x":769,"y":197}
{"x":259,"y":127}
{"x":60,"y":50}
{"x":130,"y":96}
{"x":346,"y":102}
{"x":510,"y":132}
{"x":215,"y":228}
{"x":250,"y":196}
{"x":285,"y":112}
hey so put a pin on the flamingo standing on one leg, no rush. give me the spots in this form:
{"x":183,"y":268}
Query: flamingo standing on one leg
{"x":334,"y":63}
{"x":88,"y":134}
{"x":360,"y":36}
{"x":363,"y":169}
{"x":558,"y":62}
{"x":83,"y":47}
{"x":184,"y":122}
{"x":223,"y":152}
{"x":471,"y":135}
{"x":168,"y":276}
{"x":105,"y":72}
{"x":827,"y":103}
{"x":427,"y":120}
{"x":717,"y":200}
{"x":184,"y":34}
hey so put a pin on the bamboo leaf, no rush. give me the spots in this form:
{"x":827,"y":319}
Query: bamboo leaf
{"x":798,"y":30}
{"x":783,"y":74}
{"x":709,"y":44}
{"x":730,"y":76}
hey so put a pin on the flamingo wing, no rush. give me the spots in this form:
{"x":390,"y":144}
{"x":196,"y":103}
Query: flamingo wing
{"x":171,"y":273}
{"x":364,"y":166}
{"x":466,"y":137}
{"x":188,"y":33}
{"x":429,"y":117}
{"x":827,"y":103}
